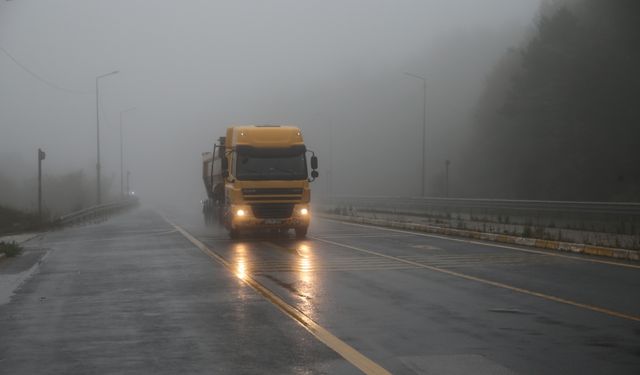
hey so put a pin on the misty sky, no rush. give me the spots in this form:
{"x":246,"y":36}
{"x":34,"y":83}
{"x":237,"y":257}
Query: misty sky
{"x":193,"y":67}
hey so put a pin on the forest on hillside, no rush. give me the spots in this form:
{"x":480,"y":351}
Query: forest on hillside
{"x":559,"y":118}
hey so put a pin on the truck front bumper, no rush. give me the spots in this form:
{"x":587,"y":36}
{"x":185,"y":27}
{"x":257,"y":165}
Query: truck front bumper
{"x":246,"y":220}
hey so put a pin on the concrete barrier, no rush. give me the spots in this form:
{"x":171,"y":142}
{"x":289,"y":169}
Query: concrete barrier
{"x":493,"y":237}
{"x":603,"y":224}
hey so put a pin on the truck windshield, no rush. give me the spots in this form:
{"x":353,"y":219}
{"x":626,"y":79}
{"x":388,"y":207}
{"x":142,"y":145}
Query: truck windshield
{"x":271,"y":165}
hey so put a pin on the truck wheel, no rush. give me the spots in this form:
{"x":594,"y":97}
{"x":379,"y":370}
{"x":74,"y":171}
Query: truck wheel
{"x":301,"y":232}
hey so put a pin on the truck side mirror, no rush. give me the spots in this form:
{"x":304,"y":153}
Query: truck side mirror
{"x":314,"y":162}
{"x":224,"y":166}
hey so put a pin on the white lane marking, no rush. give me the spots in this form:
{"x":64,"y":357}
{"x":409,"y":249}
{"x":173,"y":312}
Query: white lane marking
{"x":492,"y":283}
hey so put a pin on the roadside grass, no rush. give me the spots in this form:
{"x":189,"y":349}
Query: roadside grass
{"x":10,"y":249}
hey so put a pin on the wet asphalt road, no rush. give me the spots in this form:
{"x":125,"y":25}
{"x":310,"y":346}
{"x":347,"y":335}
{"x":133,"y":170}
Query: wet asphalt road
{"x":132,"y":295}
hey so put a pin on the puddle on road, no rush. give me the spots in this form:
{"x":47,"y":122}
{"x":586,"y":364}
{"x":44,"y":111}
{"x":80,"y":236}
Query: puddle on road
{"x":508,"y":310}
{"x":426,"y":247}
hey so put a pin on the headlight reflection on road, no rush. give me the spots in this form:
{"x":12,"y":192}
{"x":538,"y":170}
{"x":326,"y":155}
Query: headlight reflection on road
{"x":303,"y":250}
{"x":305,"y":265}
{"x":305,"y":262}
{"x":241,"y":269}
{"x":240,"y":261}
{"x":307,"y":285}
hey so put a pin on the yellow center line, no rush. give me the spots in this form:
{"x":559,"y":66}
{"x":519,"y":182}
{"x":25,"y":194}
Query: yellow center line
{"x":347,"y":352}
{"x":575,"y":258}
{"x":490,"y":282}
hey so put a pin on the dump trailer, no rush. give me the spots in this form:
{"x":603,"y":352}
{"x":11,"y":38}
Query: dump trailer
{"x":257,"y":178}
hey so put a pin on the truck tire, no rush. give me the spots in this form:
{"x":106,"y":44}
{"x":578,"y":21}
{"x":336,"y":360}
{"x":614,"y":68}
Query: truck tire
{"x":301,"y":232}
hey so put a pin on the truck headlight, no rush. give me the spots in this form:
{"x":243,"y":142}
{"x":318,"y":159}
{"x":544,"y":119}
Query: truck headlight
{"x":241,"y":212}
{"x":304,"y":212}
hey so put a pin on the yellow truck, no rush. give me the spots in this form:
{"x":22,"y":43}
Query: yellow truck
{"x":257,"y":178}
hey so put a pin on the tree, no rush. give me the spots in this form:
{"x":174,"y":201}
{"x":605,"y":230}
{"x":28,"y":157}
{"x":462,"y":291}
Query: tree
{"x":559,"y":120}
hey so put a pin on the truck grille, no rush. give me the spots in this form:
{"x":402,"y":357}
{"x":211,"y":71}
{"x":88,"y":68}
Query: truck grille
{"x":272,"y":191}
{"x":272,"y":194}
{"x":272,"y":210}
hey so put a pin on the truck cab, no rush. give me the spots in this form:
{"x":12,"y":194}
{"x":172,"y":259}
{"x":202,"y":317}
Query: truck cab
{"x":259,"y":179}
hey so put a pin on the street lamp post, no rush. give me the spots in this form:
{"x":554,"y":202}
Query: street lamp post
{"x":98,"y":192}
{"x":447,"y":163}
{"x":122,"y":152}
{"x":424,"y":127}
{"x":41,"y":156}
{"x":128,"y":186}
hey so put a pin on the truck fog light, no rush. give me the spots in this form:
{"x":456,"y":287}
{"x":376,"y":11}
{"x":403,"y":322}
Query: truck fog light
{"x":304,"y":212}
{"x":240,"y":212}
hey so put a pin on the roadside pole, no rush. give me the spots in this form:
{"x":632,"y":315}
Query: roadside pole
{"x":446,"y":177}
{"x":41,"y":156}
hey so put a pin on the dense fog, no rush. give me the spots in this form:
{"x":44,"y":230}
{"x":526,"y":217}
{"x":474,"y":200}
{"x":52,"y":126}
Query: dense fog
{"x":335,"y":69}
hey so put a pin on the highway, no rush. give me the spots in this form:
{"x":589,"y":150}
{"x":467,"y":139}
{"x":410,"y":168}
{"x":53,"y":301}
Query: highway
{"x":156,"y":291}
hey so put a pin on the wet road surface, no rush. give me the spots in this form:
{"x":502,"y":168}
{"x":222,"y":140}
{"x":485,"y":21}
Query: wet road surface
{"x":133,"y":295}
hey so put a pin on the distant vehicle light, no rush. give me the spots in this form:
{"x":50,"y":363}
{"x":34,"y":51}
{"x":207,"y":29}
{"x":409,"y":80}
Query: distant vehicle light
{"x":133,"y":193}
{"x":304,"y":211}
{"x":240,"y":212}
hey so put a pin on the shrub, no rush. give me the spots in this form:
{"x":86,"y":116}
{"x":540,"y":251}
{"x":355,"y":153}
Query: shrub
{"x":10,"y":249}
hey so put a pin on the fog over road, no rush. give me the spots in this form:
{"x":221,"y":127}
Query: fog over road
{"x":510,"y":120}
{"x":133,"y":295}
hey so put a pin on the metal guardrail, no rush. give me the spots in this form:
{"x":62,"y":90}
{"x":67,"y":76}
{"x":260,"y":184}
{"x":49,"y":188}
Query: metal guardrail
{"x":95,"y":212}
{"x":618,"y":218}
{"x":418,"y":204}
